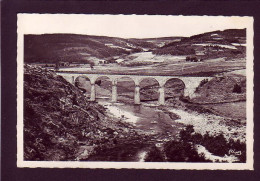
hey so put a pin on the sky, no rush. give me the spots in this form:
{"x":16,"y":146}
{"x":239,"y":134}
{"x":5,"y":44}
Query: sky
{"x":127,"y":26}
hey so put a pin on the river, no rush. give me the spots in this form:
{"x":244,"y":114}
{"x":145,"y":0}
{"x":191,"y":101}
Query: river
{"x":150,"y":119}
{"x":163,"y":124}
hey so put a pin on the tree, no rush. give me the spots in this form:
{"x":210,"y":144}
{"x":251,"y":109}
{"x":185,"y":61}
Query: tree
{"x":91,"y":65}
{"x":186,"y":133}
{"x":57,"y":66}
{"x":237,"y":89}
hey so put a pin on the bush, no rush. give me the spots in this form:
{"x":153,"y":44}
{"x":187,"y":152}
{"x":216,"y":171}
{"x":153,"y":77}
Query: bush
{"x":203,"y":82}
{"x":237,"y":89}
{"x":154,"y":155}
{"x":216,"y":144}
{"x":192,"y":59}
{"x":185,"y":99}
{"x":185,"y":134}
{"x":182,"y":152}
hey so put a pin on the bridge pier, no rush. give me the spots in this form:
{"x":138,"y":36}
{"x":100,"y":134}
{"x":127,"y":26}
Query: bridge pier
{"x":92,"y":92}
{"x":161,"y":96}
{"x":137,"y":95}
{"x":72,"y":80}
{"x":114,"y":91}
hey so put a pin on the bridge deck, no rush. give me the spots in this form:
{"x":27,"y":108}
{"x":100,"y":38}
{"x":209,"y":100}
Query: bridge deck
{"x":135,"y":74}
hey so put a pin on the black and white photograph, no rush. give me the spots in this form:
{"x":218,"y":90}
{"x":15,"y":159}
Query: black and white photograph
{"x":135,"y":91}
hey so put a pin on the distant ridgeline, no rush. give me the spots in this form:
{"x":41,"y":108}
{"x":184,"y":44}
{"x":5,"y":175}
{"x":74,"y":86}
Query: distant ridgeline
{"x":52,"y":48}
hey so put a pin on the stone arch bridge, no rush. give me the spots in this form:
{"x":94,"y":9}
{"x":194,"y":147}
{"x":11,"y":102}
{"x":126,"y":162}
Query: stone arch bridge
{"x":190,"y":83}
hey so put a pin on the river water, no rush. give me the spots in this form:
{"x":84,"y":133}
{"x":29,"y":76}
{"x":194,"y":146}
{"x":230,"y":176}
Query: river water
{"x":150,"y":119}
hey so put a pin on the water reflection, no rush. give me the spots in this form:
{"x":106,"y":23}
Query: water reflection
{"x":147,"y":118}
{"x":137,"y":108}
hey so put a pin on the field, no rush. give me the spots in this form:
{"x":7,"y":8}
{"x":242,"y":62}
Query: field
{"x":207,"y":68}
{"x":235,"y":110}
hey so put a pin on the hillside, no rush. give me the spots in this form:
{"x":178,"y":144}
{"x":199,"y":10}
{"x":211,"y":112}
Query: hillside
{"x":51,"y":48}
{"x":60,"y":124}
{"x":160,"y":42}
{"x":222,"y":89}
{"x":228,"y":43}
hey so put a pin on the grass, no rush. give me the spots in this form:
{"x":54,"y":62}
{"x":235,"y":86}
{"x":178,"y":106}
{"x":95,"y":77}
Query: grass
{"x":181,"y":69}
{"x":236,"y":110}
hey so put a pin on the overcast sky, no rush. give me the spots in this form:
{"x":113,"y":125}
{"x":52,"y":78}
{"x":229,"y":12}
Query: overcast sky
{"x":127,"y":26}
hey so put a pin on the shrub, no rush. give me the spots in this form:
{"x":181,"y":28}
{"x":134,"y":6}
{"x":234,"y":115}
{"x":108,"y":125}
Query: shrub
{"x":194,"y":59}
{"x":185,"y":99}
{"x":237,"y":88}
{"x":216,"y":145}
{"x":185,"y":134}
{"x":154,"y":155}
{"x":204,"y":81}
{"x":181,"y":151}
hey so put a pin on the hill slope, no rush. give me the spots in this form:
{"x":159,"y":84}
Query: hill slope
{"x":60,"y":124}
{"x":50,"y":48}
{"x":228,"y":43}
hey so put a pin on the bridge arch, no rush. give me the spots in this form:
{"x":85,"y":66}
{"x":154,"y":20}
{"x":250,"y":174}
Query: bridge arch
{"x":83,"y":83}
{"x":102,"y":77}
{"x":173,"y":87}
{"x":135,"y":79}
{"x":103,"y":86}
{"x":126,"y":88}
{"x":149,"y":89}
{"x":81,"y":76}
{"x":125,"y":77}
{"x":160,"y":83}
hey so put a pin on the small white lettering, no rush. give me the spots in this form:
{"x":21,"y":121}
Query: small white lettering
{"x":233,"y":152}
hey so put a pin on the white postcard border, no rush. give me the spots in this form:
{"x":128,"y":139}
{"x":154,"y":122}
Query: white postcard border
{"x":135,"y":165}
